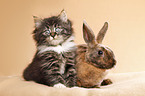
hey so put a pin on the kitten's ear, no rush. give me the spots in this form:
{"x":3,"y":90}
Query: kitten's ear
{"x":37,"y":21}
{"x":63,"y":16}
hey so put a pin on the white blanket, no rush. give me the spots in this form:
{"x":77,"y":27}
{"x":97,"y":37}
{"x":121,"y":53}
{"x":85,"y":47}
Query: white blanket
{"x":124,"y":84}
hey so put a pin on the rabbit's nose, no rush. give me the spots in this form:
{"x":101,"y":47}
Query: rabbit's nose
{"x":114,"y":63}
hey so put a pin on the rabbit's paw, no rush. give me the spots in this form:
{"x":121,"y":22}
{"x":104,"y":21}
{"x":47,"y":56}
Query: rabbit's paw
{"x":106,"y":82}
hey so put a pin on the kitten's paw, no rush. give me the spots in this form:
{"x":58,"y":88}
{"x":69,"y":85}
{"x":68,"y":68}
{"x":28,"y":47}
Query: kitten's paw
{"x":59,"y":85}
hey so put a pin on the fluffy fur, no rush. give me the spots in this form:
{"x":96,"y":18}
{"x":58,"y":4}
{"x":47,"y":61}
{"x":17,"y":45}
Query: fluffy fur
{"x":67,"y":45}
{"x":53,"y":63}
{"x":93,"y":59}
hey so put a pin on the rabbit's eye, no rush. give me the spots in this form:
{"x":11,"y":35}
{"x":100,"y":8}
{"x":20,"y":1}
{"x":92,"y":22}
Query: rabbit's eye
{"x":100,"y":52}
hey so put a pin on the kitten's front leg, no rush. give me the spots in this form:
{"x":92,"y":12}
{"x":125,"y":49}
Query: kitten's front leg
{"x":50,"y":69}
{"x":70,"y":75}
{"x":53,"y":77}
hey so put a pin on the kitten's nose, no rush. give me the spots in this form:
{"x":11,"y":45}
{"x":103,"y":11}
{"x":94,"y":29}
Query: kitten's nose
{"x":53,"y":34}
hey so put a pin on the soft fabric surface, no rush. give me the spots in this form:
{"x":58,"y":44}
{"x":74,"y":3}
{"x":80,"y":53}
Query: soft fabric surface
{"x":124,"y":84}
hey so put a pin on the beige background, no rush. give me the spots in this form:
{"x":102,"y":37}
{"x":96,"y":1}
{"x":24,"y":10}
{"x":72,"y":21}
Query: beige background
{"x":125,"y":36}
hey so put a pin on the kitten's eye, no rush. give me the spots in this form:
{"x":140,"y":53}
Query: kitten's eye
{"x":58,"y":29}
{"x":46,"y":32}
{"x":100,"y":52}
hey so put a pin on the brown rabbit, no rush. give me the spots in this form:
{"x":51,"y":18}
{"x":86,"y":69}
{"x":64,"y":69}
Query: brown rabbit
{"x":93,"y":59}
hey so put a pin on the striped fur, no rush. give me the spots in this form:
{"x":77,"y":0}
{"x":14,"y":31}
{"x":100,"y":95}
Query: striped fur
{"x":54,"y":60}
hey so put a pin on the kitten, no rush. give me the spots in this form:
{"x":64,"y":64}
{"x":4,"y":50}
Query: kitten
{"x":54,"y":60}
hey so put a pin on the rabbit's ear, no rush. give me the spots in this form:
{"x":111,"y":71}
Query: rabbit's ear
{"x":88,"y":34}
{"x":102,"y":33}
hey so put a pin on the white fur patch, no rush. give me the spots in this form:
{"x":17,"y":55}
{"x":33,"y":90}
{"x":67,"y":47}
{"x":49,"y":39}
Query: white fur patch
{"x":66,"y":46}
{"x":62,"y":67}
{"x":59,"y":85}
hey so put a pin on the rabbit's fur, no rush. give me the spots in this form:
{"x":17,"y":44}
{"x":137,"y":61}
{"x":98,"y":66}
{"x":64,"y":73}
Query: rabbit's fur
{"x":93,"y":59}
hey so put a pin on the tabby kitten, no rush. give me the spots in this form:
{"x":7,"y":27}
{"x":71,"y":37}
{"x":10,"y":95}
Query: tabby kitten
{"x":53,"y":63}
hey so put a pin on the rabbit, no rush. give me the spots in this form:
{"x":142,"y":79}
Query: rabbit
{"x":93,"y":59}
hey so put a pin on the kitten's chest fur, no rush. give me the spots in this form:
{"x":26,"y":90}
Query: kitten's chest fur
{"x":64,"y":47}
{"x":62,"y":50}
